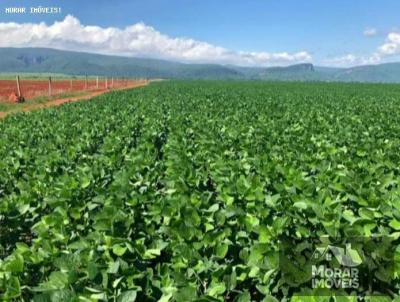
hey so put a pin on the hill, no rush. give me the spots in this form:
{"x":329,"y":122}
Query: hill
{"x":44,"y":60}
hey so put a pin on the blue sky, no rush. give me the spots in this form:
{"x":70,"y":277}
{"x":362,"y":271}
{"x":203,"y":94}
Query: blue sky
{"x":251,"y":31}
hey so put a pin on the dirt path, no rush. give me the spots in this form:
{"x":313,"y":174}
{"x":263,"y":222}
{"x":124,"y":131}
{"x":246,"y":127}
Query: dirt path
{"x":58,"y":102}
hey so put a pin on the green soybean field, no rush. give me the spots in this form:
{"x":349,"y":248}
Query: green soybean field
{"x":203,"y":191}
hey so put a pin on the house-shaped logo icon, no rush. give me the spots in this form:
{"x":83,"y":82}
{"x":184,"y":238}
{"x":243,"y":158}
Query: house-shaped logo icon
{"x":347,"y":257}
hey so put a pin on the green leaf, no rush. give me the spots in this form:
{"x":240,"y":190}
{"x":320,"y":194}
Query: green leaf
{"x":216,"y":289}
{"x":23,"y":209}
{"x":113,"y":267}
{"x":152,"y":253}
{"x":85,"y":182}
{"x":213,"y":208}
{"x":119,"y":250}
{"x":272,"y":200}
{"x":300,"y":205}
{"x":64,"y":295}
{"x":127,"y":296}
{"x":92,"y":270}
{"x":221,"y":250}
{"x":12,"y":289}
{"x":270,"y":299}
{"x":57,"y":281}
{"x":99,"y":296}
{"x":244,"y":297}
{"x":14,"y":264}
{"x":185,"y":294}
{"x":165,"y":298}
{"x":395,"y":224}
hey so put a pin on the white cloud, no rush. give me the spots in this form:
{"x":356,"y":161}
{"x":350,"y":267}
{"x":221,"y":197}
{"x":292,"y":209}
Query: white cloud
{"x":391,"y":46}
{"x":389,"y":49}
{"x":350,"y":60}
{"x":370,"y":32}
{"x":135,"y":40}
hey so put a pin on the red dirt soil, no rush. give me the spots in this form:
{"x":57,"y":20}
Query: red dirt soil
{"x":35,"y":88}
{"x":91,"y":94}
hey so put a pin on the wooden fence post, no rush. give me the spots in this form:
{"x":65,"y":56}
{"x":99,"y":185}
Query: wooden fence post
{"x":18,"y":87}
{"x":112,"y":82}
{"x":97,"y":82}
{"x":86,"y":84}
{"x":70,"y":84}
{"x":49,"y":86}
